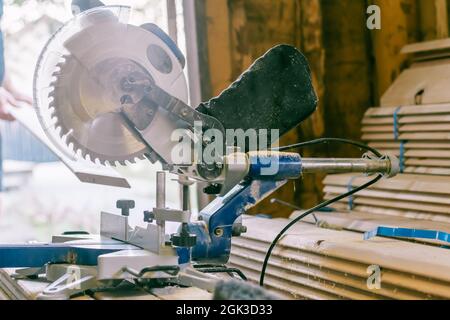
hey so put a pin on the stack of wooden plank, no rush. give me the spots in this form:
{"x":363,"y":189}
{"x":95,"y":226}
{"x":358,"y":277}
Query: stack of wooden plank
{"x":411,"y":196}
{"x":418,"y":134}
{"x":329,"y":258}
{"x":317,"y":263}
{"x":425,"y":82}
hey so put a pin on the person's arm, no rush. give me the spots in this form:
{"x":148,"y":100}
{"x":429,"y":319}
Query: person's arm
{"x":15,"y":93}
{"x":9,"y":95}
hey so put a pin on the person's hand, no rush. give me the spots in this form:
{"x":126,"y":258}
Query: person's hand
{"x":6,"y":100}
{"x":10,"y":96}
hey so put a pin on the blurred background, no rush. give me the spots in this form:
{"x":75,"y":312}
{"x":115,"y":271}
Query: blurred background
{"x":40,"y":196}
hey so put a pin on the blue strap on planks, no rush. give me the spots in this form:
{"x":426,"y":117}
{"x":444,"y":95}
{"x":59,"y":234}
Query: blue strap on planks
{"x":396,"y":137}
{"x":396,"y":124}
{"x":402,"y":156}
{"x":351,"y":199}
{"x":393,"y":232}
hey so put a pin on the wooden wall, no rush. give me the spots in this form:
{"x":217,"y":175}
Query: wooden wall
{"x":351,"y":65}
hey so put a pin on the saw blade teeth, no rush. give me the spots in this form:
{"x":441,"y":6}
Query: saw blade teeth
{"x":57,"y":130}
{"x":90,"y":157}
{"x":62,"y":62}
{"x":62,"y":133}
{"x":86,"y":157}
{"x":53,"y":84}
{"x":60,"y":109}
{"x":84,"y":154}
{"x":70,"y":140}
{"x":71,"y":147}
{"x":77,"y":152}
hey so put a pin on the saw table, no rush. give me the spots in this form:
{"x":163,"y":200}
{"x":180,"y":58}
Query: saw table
{"x":27,"y":289}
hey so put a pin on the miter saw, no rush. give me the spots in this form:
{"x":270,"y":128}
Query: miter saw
{"x":112,"y":93}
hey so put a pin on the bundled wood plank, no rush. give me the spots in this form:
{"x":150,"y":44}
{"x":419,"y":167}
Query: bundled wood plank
{"x":316,"y":263}
{"x":411,"y":183}
{"x":422,"y":145}
{"x":428,"y":170}
{"x":412,"y":110}
{"x":420,"y":135}
{"x":410,"y":214}
{"x":411,"y":196}
{"x":376,"y":199}
{"x":335,"y":256}
{"x":363,"y":222}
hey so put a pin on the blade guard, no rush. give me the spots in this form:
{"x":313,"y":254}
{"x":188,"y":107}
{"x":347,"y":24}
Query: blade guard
{"x":276,"y":92}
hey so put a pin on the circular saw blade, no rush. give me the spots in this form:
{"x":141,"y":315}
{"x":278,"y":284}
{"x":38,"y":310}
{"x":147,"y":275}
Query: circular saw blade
{"x":86,"y":89}
{"x":85,"y":107}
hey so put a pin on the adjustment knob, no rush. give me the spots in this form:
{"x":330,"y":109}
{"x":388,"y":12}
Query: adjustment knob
{"x":184,"y":239}
{"x":148,"y":216}
{"x":125,"y":206}
{"x":212,"y":189}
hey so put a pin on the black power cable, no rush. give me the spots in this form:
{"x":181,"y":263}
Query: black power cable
{"x":207,"y":268}
{"x":307,"y":213}
{"x":326,"y":140}
{"x":323,"y":204}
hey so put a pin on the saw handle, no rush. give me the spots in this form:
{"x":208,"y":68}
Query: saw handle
{"x":282,"y":165}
